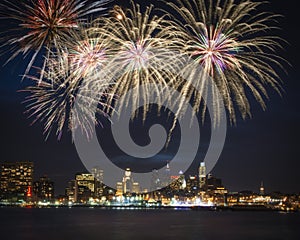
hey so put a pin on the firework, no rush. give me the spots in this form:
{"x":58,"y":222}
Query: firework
{"x":132,"y":50}
{"x":72,"y":75}
{"x":41,"y":25}
{"x":142,"y":43}
{"x":232,"y":42}
{"x":89,"y":49}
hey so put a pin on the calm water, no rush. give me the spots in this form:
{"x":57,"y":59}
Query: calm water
{"x":87,"y":223}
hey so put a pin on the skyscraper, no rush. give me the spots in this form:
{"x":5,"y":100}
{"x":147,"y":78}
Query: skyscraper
{"x":43,"y":189}
{"x":155,"y":180}
{"x":84,"y":187}
{"x":262,"y":189}
{"x":135,"y":187}
{"x":119,"y":188}
{"x":202,"y":175}
{"x":166,"y":178}
{"x":192,"y":186}
{"x":127,"y":186}
{"x":127,"y":181}
{"x":213,"y":183}
{"x":98,"y":174}
{"x":71,"y":191}
{"x":99,"y":186}
{"x":16,"y":180}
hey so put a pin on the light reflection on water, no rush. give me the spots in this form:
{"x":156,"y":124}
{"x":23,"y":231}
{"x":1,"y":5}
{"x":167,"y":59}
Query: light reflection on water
{"x":89,"y":223}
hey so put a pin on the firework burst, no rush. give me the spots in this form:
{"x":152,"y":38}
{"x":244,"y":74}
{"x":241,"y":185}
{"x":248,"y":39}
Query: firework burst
{"x":89,"y":49}
{"x":233,"y":44}
{"x":142,"y":43}
{"x":72,"y":75}
{"x":42,"y":24}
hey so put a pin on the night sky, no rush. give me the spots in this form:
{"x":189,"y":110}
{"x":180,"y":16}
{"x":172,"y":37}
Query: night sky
{"x":263,"y":148}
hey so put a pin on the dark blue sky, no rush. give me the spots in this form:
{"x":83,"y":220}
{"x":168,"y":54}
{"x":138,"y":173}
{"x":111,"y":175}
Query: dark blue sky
{"x":265,"y":147}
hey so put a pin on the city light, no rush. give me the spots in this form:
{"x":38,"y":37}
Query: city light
{"x":201,"y":191}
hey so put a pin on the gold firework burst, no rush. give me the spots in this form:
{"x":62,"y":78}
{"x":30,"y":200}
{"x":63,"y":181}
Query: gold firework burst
{"x":233,"y":43}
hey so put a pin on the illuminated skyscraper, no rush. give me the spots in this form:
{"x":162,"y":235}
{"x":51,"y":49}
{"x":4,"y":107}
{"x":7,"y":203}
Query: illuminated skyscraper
{"x":84,"y":187}
{"x":155,"y":180}
{"x":202,"y":175}
{"x":166,"y":179}
{"x":16,"y":180}
{"x":98,"y":174}
{"x":192,"y":186}
{"x":182,"y":180}
{"x":43,"y":189}
{"x":127,"y":186}
{"x":119,"y":189}
{"x":213,"y":183}
{"x":136,"y":187}
{"x":127,"y":181}
{"x":71,"y":191}
{"x":262,"y":188}
{"x":99,"y":186}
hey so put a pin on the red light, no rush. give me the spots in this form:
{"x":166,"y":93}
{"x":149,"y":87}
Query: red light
{"x":175,"y":177}
{"x":29,"y":193}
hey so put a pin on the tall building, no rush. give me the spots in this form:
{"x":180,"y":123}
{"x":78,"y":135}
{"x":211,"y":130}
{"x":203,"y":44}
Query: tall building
{"x":135,"y":187}
{"x":84,"y":187}
{"x":192,"y":185}
{"x":43,"y":189}
{"x":98,"y":174}
{"x":127,"y":186}
{"x":119,"y":189}
{"x":71,"y":191}
{"x":213,"y":183}
{"x":262,"y":188}
{"x":16,"y":180}
{"x":99,"y":186}
{"x":202,"y":175}
{"x":182,"y":180}
{"x":127,"y":181}
{"x":155,"y":181}
{"x":166,"y":178}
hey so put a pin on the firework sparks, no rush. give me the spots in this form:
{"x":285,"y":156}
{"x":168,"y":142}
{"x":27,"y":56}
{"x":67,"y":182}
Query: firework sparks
{"x":130,"y":49}
{"x":215,"y":52}
{"x":89,"y":49}
{"x":73,"y":75}
{"x":42,"y":24}
{"x":142,"y":43}
{"x":231,"y":42}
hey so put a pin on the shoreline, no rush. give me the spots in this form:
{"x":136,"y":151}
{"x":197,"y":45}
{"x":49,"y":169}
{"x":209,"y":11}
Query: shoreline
{"x":235,"y":208}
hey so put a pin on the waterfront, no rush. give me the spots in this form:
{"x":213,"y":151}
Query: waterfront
{"x":95,"y":223}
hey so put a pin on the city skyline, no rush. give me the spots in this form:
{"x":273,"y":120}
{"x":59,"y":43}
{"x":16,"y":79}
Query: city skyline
{"x":12,"y":175}
{"x":202,"y":191}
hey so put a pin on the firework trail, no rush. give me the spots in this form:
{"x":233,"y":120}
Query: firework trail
{"x":39,"y":25}
{"x":72,"y":75}
{"x":233,"y":44}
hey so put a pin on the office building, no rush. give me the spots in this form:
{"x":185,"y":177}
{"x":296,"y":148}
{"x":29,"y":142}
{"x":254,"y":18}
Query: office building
{"x":43,"y":189}
{"x":16,"y":180}
{"x":192,"y":186}
{"x":262,"y":189}
{"x":84,"y":187}
{"x":71,"y":191}
{"x":202,"y":175}
{"x":99,"y":186}
{"x":155,"y":181}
